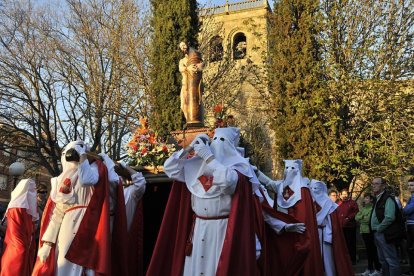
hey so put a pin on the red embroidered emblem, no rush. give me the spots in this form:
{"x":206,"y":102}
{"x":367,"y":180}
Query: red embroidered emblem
{"x":206,"y":181}
{"x":287,"y":192}
{"x":67,"y":182}
{"x":66,"y":186}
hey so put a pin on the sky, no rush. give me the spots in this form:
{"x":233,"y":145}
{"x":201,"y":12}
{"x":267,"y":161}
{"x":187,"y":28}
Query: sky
{"x":222,"y":2}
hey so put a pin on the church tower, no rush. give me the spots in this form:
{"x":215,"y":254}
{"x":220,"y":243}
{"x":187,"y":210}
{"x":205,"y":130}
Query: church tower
{"x":234,"y":43}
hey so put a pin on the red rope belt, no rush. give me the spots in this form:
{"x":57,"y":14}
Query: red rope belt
{"x":75,"y":207}
{"x":189,"y":245}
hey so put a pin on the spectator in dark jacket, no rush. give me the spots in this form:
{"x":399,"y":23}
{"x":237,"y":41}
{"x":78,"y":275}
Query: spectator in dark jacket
{"x":386,"y":223}
{"x":347,"y":209}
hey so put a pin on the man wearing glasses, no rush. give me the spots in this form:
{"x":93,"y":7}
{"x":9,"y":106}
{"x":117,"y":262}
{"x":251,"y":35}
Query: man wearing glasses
{"x":386,"y":221}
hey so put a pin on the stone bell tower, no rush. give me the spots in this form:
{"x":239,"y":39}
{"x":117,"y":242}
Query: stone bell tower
{"x":234,"y":43}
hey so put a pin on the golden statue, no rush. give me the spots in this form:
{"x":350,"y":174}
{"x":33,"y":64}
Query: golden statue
{"x":191,"y":67}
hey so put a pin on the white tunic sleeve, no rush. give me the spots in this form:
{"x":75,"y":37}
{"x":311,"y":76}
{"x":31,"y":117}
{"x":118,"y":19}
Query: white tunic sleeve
{"x":113,"y":177}
{"x":139,"y":182}
{"x":174,"y":166}
{"x":88,"y":173}
{"x":276,"y":224}
{"x":225,"y":178}
{"x":53,"y":227}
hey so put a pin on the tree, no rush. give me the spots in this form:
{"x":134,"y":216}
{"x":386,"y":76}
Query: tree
{"x":347,"y":110}
{"x":368,"y":57}
{"x":172,"y":22}
{"x":78,"y":74}
{"x":299,"y":99}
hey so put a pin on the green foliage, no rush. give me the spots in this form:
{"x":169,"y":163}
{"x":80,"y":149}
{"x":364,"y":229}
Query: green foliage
{"x":256,"y":142}
{"x":340,"y":76}
{"x":297,"y":83}
{"x":172,"y":22}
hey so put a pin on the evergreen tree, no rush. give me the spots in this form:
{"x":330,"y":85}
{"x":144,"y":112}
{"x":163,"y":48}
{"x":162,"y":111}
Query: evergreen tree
{"x":172,"y":22}
{"x":296,"y":83}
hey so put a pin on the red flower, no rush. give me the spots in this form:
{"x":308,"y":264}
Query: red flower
{"x":135,"y":148}
{"x":132,"y":143}
{"x":144,"y":150}
{"x":218,"y":108}
{"x":164,"y":149}
{"x":143,"y":131}
{"x":151,"y":140}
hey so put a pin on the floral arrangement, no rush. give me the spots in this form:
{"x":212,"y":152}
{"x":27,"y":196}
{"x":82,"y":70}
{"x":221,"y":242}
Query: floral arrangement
{"x":219,"y":114}
{"x":146,"y":148}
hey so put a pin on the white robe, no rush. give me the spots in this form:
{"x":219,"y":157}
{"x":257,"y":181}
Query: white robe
{"x":208,"y":235}
{"x":63,"y":226}
{"x":133,"y":193}
{"x":325,"y":240}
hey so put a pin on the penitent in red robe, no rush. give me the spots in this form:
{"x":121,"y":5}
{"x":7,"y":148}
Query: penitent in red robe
{"x":271,"y":262}
{"x":238,"y":252}
{"x":298,"y":254}
{"x":91,"y":246}
{"x":19,"y":244}
{"x":342,"y":259}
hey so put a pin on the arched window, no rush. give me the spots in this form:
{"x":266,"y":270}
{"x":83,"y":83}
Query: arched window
{"x":216,"y":49}
{"x":239,"y":46}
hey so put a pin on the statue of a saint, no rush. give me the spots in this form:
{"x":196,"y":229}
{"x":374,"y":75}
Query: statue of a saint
{"x":191,"y":67}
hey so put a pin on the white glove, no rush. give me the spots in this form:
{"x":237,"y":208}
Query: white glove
{"x":295,"y":227}
{"x":198,"y":139}
{"x":203,"y":137}
{"x":203,"y":150}
{"x":44,"y":252}
{"x":80,"y":149}
{"x":108,"y":161}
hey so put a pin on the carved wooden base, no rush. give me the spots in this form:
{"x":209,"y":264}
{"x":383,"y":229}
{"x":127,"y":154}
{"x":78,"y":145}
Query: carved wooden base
{"x":194,"y":125}
{"x":185,"y":137}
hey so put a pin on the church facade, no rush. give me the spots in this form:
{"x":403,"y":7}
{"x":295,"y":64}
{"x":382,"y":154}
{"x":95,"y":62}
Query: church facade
{"x":234,"y":43}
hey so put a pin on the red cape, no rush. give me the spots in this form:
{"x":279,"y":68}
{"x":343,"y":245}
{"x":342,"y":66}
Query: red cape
{"x":136,"y":243}
{"x":274,"y":247}
{"x":342,"y":259}
{"x":238,"y":252}
{"x":90,"y":247}
{"x":19,"y":244}
{"x":120,"y":240}
{"x":292,"y":253}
